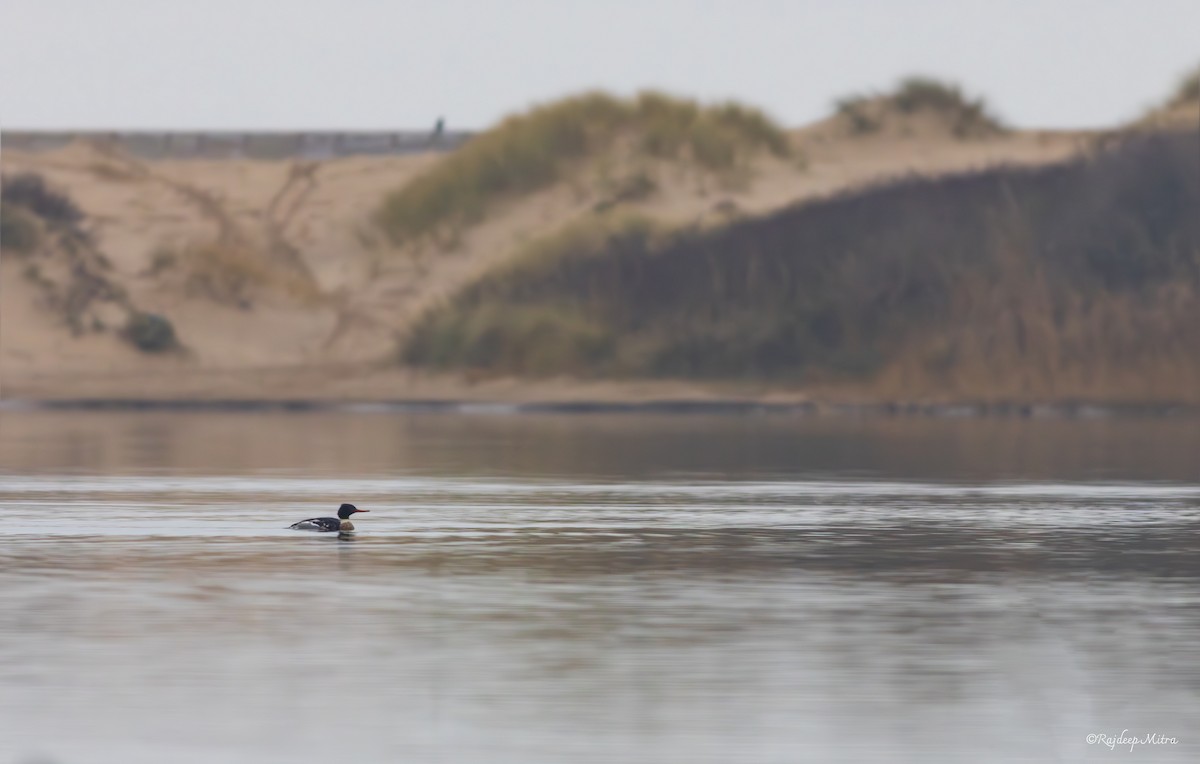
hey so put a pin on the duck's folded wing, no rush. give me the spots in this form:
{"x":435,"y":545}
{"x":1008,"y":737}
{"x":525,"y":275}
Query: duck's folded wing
{"x":317,"y":524}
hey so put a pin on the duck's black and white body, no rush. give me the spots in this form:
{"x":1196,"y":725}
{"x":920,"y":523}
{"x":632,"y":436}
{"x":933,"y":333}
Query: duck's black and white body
{"x":326,"y":524}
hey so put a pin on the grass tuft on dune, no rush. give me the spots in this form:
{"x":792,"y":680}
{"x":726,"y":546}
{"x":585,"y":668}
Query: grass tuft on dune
{"x":1188,"y":90}
{"x":531,"y":151}
{"x":966,"y":117}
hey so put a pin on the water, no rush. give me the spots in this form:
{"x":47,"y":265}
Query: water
{"x":532,"y":589}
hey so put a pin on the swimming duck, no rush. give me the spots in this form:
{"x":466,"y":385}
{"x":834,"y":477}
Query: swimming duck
{"x":339,"y":523}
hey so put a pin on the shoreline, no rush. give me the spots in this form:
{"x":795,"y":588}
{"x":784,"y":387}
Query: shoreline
{"x":379,"y":388}
{"x":665,"y":406}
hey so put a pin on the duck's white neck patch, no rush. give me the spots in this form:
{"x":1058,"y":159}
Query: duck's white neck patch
{"x":346,"y":526}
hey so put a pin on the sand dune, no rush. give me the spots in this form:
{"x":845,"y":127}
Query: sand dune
{"x":320,"y":314}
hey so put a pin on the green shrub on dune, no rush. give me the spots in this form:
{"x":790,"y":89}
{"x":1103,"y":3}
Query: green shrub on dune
{"x":30,"y":190}
{"x":30,"y":207}
{"x":919,"y":92}
{"x":151,"y":333}
{"x":530,"y":151}
{"x":966,"y":117}
{"x":18,"y":231}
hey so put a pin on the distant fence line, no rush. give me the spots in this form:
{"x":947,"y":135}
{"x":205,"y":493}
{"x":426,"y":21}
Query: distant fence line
{"x":236,"y":145}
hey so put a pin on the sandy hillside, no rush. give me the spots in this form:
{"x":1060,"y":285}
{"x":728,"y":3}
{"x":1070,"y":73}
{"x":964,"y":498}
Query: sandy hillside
{"x":319,"y":313}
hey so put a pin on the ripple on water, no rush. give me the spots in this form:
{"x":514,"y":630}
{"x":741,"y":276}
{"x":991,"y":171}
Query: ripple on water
{"x":598,"y":619}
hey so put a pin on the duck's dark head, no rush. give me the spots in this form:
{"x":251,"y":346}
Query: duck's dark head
{"x":346,"y":510}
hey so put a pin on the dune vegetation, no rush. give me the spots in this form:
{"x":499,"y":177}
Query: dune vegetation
{"x":1075,"y":280}
{"x":1180,"y":109}
{"x":45,"y":227}
{"x":1188,"y":90}
{"x":964,"y":116}
{"x":29,"y":208}
{"x":531,"y":151}
{"x":18,"y":229}
{"x":491,"y":327}
{"x":30,"y":192}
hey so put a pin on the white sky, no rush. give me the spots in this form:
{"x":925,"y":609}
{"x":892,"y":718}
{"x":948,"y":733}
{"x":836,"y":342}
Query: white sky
{"x":311,"y":64}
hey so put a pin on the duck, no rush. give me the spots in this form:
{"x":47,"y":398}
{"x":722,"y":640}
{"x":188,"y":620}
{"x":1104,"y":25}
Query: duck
{"x":340,"y":523}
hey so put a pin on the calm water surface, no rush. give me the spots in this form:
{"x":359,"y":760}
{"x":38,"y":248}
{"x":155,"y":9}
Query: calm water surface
{"x":551,"y":589}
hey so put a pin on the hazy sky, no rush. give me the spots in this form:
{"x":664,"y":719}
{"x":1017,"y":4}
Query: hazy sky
{"x":268,"y":64}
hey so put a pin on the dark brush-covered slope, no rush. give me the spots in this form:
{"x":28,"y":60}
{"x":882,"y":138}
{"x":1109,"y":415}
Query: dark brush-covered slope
{"x":1076,"y":280}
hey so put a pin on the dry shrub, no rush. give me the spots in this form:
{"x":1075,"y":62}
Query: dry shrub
{"x":236,"y":275}
{"x":1020,"y":334}
{"x":857,"y":113}
{"x":636,"y":186}
{"x":112,"y":172}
